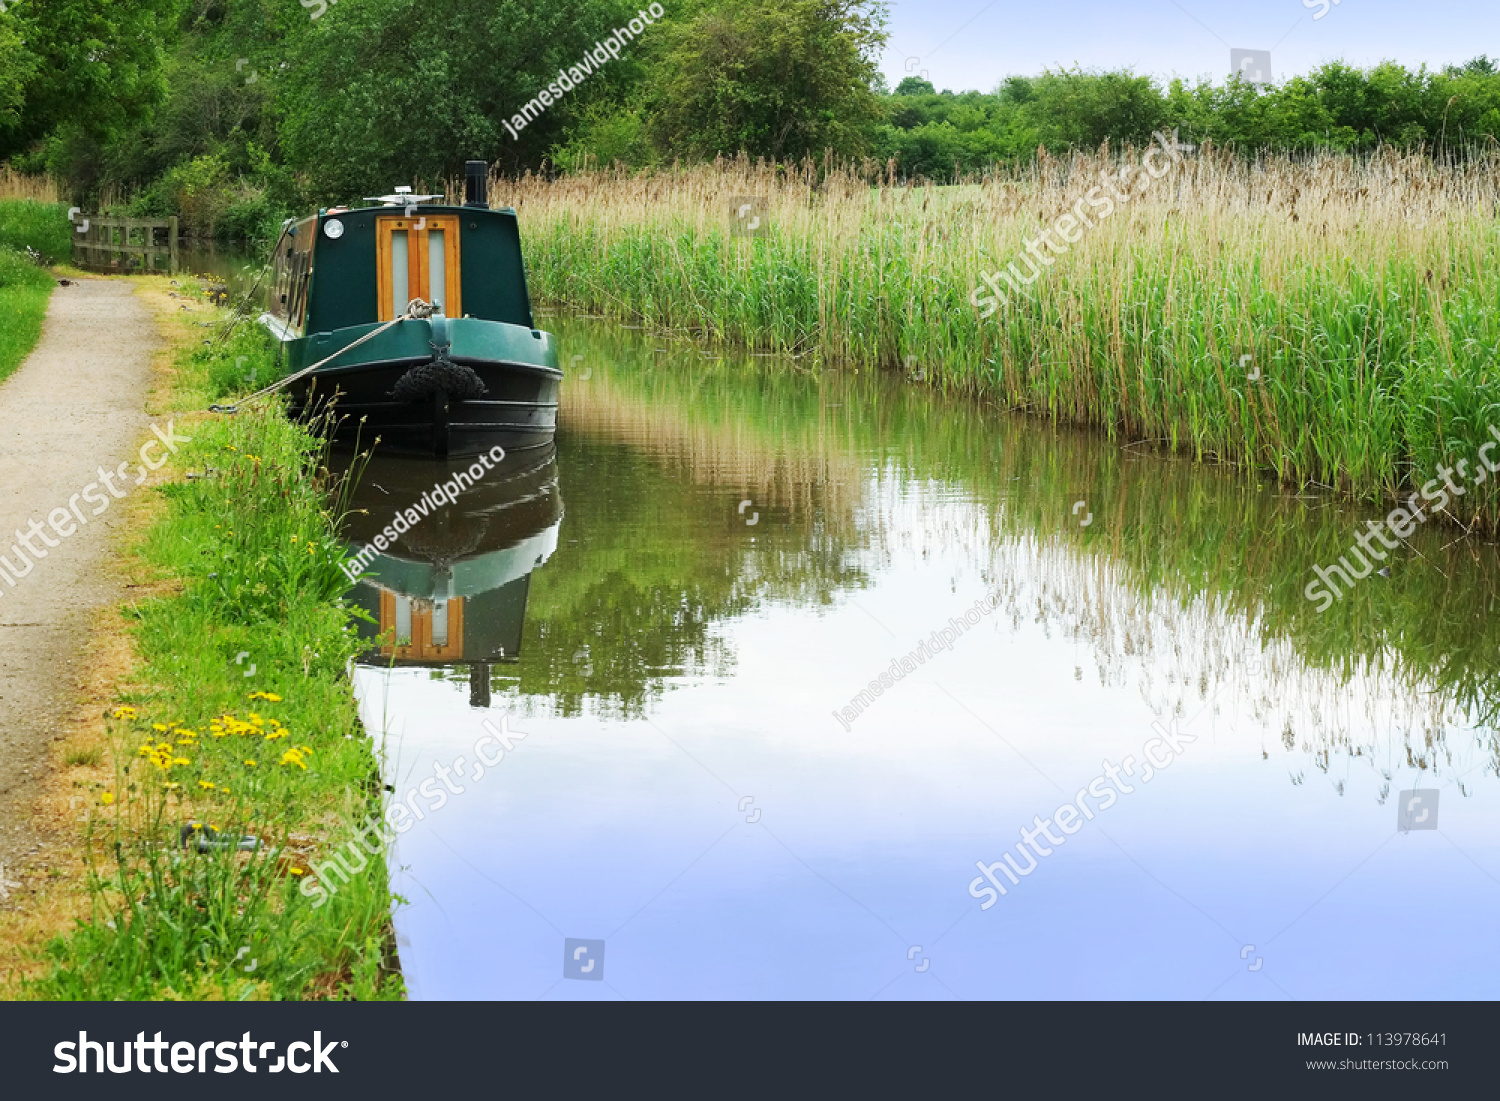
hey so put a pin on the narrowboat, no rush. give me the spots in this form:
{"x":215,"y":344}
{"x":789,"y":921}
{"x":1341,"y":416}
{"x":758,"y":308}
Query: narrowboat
{"x":410,"y":322}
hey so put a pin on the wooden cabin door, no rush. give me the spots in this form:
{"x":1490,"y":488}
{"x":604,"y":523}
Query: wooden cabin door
{"x":418,"y":258}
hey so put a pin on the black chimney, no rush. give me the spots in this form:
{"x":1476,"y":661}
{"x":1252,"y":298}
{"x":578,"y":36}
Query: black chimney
{"x":477,"y":189}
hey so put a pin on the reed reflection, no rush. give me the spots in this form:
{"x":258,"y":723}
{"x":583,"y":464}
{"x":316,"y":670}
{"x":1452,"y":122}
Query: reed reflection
{"x":451,"y":591}
{"x":1187,"y":578}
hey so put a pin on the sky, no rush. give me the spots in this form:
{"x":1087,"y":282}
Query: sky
{"x":973,"y":44}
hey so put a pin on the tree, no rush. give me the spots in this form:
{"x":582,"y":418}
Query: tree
{"x":773,"y":78}
{"x":386,"y":91}
{"x":94,"y":67}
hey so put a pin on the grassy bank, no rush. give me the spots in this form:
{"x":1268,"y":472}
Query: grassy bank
{"x":238,"y":723}
{"x":1365,"y":294}
{"x":25,"y":286}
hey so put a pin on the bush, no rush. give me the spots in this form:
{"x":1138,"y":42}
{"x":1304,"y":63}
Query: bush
{"x":25,"y":223}
{"x":251,"y":218}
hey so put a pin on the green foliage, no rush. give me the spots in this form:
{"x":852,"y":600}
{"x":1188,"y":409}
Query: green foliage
{"x":94,"y":67}
{"x":942,"y":136}
{"x":605,"y":136}
{"x":390,"y":91}
{"x":779,"y":79}
{"x":25,"y":286}
{"x":43,"y":227}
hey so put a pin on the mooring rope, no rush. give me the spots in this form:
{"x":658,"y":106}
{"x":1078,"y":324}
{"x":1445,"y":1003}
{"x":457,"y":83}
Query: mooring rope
{"x":416,"y":310}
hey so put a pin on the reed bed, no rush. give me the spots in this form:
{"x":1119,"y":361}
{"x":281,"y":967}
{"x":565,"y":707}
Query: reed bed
{"x":39,"y":189}
{"x":1363,"y":292}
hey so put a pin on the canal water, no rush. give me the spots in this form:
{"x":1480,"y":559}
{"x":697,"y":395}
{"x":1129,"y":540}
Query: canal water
{"x":666,"y":642}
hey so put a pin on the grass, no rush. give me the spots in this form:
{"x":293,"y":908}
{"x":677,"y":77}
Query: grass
{"x":1366,"y":295}
{"x":43,"y":227}
{"x":26,"y":287}
{"x":239,"y":722}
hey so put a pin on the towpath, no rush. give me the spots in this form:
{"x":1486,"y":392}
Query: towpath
{"x":75,"y":405}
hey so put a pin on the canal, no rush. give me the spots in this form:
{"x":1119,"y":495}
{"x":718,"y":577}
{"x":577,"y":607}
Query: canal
{"x":631,"y":693}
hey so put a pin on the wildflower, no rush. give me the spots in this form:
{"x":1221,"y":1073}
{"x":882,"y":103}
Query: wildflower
{"x":124,"y":712}
{"x":294,"y":757}
{"x":174,"y":787}
{"x":181,"y":761}
{"x":297,"y":871}
{"x":206,"y":785}
{"x":224,"y":790}
{"x":107,"y":798}
{"x":159,"y":726}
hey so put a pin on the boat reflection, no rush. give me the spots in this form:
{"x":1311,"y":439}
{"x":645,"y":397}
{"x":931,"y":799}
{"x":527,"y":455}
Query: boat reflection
{"x":451,"y":588}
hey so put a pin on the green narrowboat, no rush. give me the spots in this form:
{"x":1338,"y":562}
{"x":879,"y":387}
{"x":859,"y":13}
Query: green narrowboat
{"x":409,"y":321}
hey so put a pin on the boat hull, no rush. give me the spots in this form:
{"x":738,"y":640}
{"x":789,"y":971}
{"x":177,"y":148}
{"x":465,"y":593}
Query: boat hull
{"x":497,"y":385}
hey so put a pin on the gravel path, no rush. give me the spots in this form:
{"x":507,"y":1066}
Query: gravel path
{"x":76,"y":405}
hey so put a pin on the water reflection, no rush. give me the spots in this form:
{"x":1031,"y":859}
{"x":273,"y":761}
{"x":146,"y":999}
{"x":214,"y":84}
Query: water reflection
{"x":451,"y":591}
{"x":749,"y":544}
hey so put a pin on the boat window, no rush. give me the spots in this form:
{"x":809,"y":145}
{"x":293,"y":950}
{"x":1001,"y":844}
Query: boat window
{"x":440,"y":623}
{"x":437,"y":266}
{"x":400,"y":273}
{"x":403,"y":621}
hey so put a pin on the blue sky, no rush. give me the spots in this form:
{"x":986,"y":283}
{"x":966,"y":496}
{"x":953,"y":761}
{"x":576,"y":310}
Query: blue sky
{"x":968,"y":44}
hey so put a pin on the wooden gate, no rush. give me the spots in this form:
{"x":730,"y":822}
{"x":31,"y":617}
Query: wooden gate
{"x":125,"y":244}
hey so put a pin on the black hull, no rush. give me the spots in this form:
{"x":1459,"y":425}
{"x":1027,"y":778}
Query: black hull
{"x":354,"y":404}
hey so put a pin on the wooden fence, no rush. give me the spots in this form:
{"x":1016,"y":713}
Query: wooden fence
{"x":142,"y":244}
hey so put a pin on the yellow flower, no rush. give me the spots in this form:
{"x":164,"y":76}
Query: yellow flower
{"x":294,"y":757}
{"x":250,"y":763}
{"x":296,"y":871}
{"x":294,"y":539}
{"x":124,"y":712}
{"x":107,"y":798}
{"x":174,"y":787}
{"x":181,"y":761}
{"x":159,"y":726}
{"x":224,"y":790}
{"x":206,"y":785}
